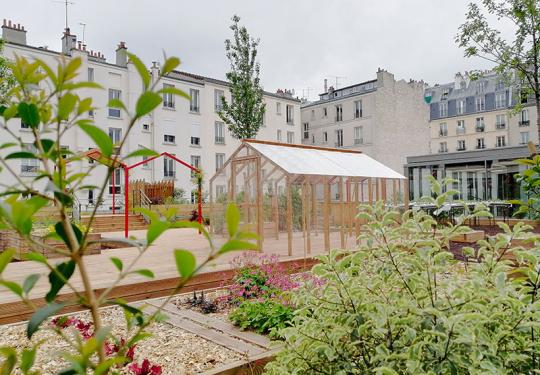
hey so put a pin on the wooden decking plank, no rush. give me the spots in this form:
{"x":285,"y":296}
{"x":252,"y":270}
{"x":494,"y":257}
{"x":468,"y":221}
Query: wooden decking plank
{"x":209,"y":334}
{"x":225,"y":327}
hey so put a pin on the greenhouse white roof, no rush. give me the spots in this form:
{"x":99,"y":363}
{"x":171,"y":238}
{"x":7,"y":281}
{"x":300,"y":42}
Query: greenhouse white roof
{"x":302,"y":160}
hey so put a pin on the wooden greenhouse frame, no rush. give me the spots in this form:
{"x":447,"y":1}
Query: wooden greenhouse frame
{"x":296,"y":196}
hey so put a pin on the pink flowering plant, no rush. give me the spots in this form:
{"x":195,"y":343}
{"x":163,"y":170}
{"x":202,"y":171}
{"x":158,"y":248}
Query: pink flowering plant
{"x":260,"y":290}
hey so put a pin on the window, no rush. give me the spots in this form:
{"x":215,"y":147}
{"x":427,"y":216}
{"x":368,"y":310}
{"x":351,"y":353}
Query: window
{"x":325,"y":137}
{"x":445,"y":93}
{"x":29,"y":166}
{"x":306,"y":130}
{"x":524,"y":117}
{"x":64,"y":151}
{"x":278,"y":108}
{"x":90,"y":74}
{"x":500,"y":121}
{"x":91,"y":113}
{"x":313,"y":138}
{"x":116,"y":135}
{"x":194,"y":102}
{"x":195,"y":162}
{"x":358,"y":109}
{"x":460,"y":127}
{"x":117,"y":182}
{"x":358,"y":135}
{"x":524,"y":136}
{"x":500,"y":100}
{"x":114,"y":94}
{"x":523,"y":97}
{"x":339,"y":138}
{"x":90,"y":196}
{"x":195,"y":135}
{"x":443,"y":147}
{"x":169,"y":167}
{"x":220,"y":190}
{"x":290,"y":137}
{"x":220,"y":159}
{"x":500,"y":85}
{"x":219,"y":133}
{"x":146,"y":127}
{"x":218,"y":103}
{"x":480,"y":143}
{"x":480,"y":102}
{"x":168,"y":97}
{"x":461,"y":145}
{"x":144,"y":158}
{"x":325,"y":112}
{"x":24,"y":126}
{"x":481,"y":87}
{"x":170,"y":139}
{"x":312,"y":114}
{"x":279,"y":135}
{"x":501,"y":141}
{"x":460,"y":106}
{"x":443,"y":109}
{"x":290,"y":114}
{"x":339,"y":112}
{"x":480,"y":126}
{"x":443,"y":129}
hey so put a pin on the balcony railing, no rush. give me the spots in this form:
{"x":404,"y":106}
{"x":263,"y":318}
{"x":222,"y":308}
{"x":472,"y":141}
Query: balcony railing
{"x":443,"y":134}
{"x":524,"y":123}
{"x":479,"y":147}
{"x":480,"y":129}
{"x":168,"y":104}
{"x":339,"y":118}
{"x":339,"y":144}
{"x":460,"y":130}
{"x":195,"y":141}
{"x":443,"y":150}
{"x":29,"y":169}
{"x":219,"y":140}
{"x":194,"y":108}
{"x":461,"y":148}
{"x":359,"y":141}
{"x":500,"y":126}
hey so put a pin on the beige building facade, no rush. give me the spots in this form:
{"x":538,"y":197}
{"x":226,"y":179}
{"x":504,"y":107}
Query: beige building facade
{"x":385,"y":118}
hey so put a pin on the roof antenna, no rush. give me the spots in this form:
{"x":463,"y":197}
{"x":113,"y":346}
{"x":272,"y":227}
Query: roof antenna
{"x":66,"y":3}
{"x":83,"y":29}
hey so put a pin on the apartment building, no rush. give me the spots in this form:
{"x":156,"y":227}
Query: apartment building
{"x":475,"y":136}
{"x":385,"y":118}
{"x":190,"y":130}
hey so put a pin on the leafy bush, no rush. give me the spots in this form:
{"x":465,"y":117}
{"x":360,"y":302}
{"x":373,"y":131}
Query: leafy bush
{"x":529,"y":180}
{"x":266,"y":316}
{"x":402,"y":305}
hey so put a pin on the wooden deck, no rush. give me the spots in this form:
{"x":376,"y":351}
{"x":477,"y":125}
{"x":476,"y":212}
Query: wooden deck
{"x":158,"y":258}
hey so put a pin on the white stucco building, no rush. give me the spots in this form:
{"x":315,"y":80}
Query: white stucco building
{"x":385,"y":118}
{"x":191,"y":131}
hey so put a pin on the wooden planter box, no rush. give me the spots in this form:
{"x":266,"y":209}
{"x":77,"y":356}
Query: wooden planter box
{"x":469,"y":237}
{"x":11,"y":240}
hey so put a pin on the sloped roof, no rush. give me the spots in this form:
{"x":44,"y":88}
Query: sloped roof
{"x":307,"y":160}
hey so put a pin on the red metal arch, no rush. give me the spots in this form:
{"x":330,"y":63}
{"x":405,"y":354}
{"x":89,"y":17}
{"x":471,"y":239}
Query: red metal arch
{"x":98,"y":156}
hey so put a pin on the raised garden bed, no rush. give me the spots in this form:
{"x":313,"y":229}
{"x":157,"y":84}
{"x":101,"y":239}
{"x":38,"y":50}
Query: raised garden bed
{"x":176,"y":350}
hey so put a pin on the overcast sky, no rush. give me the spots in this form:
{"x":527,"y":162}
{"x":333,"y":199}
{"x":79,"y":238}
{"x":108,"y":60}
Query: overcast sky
{"x":302,"y":41}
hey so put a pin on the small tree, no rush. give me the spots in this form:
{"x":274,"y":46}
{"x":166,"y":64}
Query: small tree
{"x":244,"y":114}
{"x":520,"y":56}
{"x":6,"y":77}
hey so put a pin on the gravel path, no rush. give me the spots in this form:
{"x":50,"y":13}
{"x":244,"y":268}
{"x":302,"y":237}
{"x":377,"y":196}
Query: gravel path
{"x":177,"y":351}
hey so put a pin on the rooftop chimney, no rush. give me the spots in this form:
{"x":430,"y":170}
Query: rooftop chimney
{"x":13,"y":33}
{"x":121,"y":54}
{"x":325,"y":85}
{"x":69,"y":42}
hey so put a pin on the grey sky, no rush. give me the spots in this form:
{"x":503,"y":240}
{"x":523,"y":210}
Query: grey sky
{"x":302,"y":41}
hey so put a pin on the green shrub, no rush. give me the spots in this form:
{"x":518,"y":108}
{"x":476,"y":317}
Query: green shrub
{"x":267,"y":316}
{"x":402,"y":305}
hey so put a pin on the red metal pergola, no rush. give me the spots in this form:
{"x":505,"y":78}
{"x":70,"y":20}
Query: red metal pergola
{"x":96,"y":154}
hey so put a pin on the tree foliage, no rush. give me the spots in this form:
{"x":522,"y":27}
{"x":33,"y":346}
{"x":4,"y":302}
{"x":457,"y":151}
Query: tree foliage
{"x":402,"y":305}
{"x":244,"y":114}
{"x":518,"y":58}
{"x":6,"y":77}
{"x":529,"y":180}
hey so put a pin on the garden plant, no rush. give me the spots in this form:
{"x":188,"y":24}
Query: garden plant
{"x":401,"y":304}
{"x":48,"y":100}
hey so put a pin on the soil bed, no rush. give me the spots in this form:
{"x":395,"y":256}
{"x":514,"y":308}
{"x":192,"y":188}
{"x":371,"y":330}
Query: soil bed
{"x":174,"y":349}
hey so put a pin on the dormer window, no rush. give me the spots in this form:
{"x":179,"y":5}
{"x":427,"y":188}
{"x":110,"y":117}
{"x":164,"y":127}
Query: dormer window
{"x":445,"y":94}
